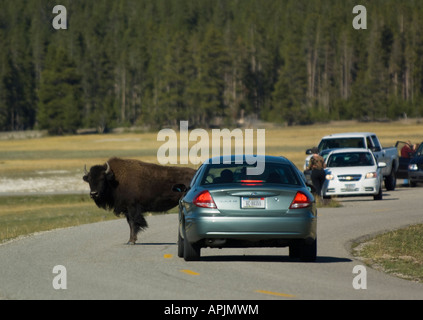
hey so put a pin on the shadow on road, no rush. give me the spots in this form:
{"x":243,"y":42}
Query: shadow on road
{"x":155,"y":244}
{"x":260,"y":258}
{"x":361,"y":199}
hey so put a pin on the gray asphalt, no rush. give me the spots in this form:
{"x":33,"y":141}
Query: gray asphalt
{"x":99,"y":265}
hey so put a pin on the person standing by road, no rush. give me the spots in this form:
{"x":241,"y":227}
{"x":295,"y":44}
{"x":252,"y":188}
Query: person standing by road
{"x":407,"y":150}
{"x":317,"y":167}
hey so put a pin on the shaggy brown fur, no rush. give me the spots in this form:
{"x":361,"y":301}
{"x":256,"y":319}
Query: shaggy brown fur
{"x":133,"y":187}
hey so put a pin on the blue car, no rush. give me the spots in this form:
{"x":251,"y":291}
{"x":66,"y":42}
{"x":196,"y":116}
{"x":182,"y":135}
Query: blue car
{"x":227,"y":206}
{"x":415,"y":167}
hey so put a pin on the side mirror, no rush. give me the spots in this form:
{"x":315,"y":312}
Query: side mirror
{"x":179,"y":188}
{"x":310,"y":151}
{"x":381,"y":165}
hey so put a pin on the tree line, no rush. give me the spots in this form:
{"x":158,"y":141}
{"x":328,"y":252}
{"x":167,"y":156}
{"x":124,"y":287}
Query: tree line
{"x":155,"y":62}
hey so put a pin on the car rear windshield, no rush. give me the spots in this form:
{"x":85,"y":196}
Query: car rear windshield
{"x":334,"y":143}
{"x":350,"y":159}
{"x":237,"y":173}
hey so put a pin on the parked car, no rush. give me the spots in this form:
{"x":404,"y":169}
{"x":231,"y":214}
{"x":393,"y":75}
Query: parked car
{"x":365,"y":140}
{"x":226,"y":207}
{"x":406,"y":152}
{"x":415,"y":167}
{"x":353,"y":172}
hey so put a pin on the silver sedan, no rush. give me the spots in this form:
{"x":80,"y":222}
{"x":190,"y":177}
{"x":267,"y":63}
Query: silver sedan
{"x":226,"y":206}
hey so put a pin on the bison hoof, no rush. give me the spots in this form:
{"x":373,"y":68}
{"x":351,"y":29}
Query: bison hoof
{"x":131,"y":242}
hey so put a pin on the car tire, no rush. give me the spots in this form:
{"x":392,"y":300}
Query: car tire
{"x":378,"y":196}
{"x":192,"y":251}
{"x":308,"y":251}
{"x":180,"y":245}
{"x":391,"y":180}
{"x":294,"y":250}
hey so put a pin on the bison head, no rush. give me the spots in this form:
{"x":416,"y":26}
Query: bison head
{"x":101,"y":179}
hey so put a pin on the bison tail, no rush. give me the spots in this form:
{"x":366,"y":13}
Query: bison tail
{"x":140,"y":221}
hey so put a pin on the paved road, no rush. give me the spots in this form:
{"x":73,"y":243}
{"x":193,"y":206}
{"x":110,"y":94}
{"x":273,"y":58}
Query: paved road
{"x":100,"y":266}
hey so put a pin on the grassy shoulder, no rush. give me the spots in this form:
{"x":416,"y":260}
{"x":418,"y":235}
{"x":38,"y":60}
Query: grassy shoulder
{"x":397,"y":252}
{"x":23,"y":215}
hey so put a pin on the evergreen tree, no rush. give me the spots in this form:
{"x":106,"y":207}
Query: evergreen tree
{"x":10,"y":91}
{"x":59,"y":96}
{"x":206,"y":90}
{"x":289,"y":102}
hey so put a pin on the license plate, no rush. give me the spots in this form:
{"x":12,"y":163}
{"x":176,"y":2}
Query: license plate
{"x":350,"y":187}
{"x":253,"y":203}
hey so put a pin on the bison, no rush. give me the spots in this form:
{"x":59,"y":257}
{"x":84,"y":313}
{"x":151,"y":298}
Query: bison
{"x":132,"y":187}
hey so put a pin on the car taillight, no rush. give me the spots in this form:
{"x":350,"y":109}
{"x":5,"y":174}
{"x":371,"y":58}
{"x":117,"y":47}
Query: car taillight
{"x":204,"y":200}
{"x":301,"y":200}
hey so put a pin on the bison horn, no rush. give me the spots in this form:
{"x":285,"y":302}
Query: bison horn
{"x":108,"y":168}
{"x":85,"y":169}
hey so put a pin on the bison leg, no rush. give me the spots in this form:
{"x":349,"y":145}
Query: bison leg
{"x":132,"y":234}
{"x":136,"y":223}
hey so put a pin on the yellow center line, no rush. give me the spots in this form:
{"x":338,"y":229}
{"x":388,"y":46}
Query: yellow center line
{"x":168,"y":256}
{"x":279,"y":294}
{"x":190,"y":272}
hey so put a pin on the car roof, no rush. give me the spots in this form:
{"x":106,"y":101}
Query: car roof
{"x":255,"y":158}
{"x":344,"y":150}
{"x":348,"y":135}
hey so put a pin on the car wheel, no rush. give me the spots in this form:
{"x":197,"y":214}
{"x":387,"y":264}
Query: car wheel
{"x":391,"y":181}
{"x":191,"y":251}
{"x":180,"y":245}
{"x":294,"y":250}
{"x":378,"y":196}
{"x":413,"y":184}
{"x":308,"y":251}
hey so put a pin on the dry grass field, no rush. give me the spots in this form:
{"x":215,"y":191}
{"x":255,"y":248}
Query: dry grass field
{"x":26,"y":156}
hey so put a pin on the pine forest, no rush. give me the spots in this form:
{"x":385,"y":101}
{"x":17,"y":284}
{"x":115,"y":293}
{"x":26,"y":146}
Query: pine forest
{"x":152,"y":63}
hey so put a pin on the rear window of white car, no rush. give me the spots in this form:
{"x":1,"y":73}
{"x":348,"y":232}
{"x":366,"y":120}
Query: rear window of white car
{"x":335,"y":143}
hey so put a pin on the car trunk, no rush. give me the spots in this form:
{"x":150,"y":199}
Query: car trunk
{"x":253,"y":201}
